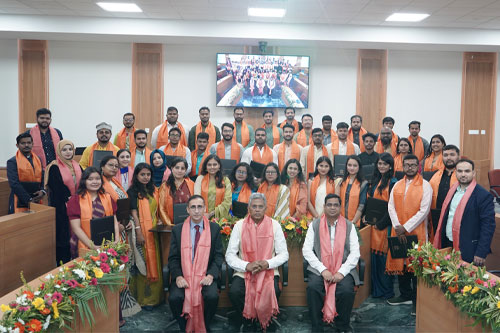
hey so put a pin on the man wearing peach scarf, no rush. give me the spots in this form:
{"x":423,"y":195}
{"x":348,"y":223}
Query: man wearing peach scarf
{"x":255,"y":259}
{"x":195,"y":260}
{"x":331,"y":249}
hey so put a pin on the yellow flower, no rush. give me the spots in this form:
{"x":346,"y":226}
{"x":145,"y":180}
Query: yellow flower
{"x":87,"y":276}
{"x":290,"y":226}
{"x":498,"y":304}
{"x":475,"y":290}
{"x":38,"y":303}
{"x":98,"y":273}
{"x":466,"y":289}
{"x":5,"y":308}
{"x":56,"y":310}
{"x":303,"y":224}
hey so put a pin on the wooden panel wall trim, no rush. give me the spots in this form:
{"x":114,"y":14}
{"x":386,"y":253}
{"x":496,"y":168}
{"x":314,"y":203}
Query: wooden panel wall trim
{"x":33,"y":79}
{"x":371,"y":88}
{"x":147,"y":85}
{"x":477,"y":117}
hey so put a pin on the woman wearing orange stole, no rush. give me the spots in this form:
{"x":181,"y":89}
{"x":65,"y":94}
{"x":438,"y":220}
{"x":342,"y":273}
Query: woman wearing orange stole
{"x":293,"y":177}
{"x":277,"y":195}
{"x":242,"y":182}
{"x":403,"y":148}
{"x":433,"y":159}
{"x":125,"y":172}
{"x":146,"y":283}
{"x":383,"y":181}
{"x":320,"y":186}
{"x":176,"y":190}
{"x":352,"y":190}
{"x":109,"y":169}
{"x":214,"y":188}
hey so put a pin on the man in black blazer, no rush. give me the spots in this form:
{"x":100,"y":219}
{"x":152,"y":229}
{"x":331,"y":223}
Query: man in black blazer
{"x":477,"y":225}
{"x":196,"y":210}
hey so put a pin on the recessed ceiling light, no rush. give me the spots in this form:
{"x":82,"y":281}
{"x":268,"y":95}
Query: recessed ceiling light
{"x":266,"y":12}
{"x":407,"y":17}
{"x":120,"y":7}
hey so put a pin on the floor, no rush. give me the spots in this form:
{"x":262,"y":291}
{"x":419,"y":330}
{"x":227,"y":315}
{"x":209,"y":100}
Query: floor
{"x":375,"y":315}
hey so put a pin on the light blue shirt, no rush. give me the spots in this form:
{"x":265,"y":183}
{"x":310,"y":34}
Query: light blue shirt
{"x":453,"y":207}
{"x":193,"y":233}
{"x":198,"y":163}
{"x":140,"y":157}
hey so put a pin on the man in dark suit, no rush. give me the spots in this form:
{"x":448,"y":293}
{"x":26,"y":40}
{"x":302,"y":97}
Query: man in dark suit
{"x":195,"y":261}
{"x":467,"y":219}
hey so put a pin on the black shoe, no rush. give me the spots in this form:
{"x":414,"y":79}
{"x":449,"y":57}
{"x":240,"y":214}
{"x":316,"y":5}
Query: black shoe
{"x":148,"y":308}
{"x":248,"y":326}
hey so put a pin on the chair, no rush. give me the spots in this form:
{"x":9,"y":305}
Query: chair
{"x":494,"y":179}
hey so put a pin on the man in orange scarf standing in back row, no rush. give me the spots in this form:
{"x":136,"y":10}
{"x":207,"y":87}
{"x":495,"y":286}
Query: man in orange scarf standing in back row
{"x":45,"y":137}
{"x":205,"y":125}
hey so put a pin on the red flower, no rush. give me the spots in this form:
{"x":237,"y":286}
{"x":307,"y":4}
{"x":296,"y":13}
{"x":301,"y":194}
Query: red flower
{"x":45,"y":311}
{"x":103,"y":256}
{"x":298,"y":231}
{"x":420,"y":260}
{"x":42,"y":287}
{"x":124,"y":259}
{"x":13,"y":305}
{"x":112,"y":252}
{"x":479,"y":281}
{"x":34,"y":325}
{"x":93,"y":282}
{"x":105,"y":268}
{"x":453,"y":289}
{"x":29,"y":294}
{"x":19,"y":326}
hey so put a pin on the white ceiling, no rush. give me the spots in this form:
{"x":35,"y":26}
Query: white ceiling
{"x":483,"y":14}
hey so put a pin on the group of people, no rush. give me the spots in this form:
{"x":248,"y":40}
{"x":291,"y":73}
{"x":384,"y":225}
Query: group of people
{"x":296,"y":179}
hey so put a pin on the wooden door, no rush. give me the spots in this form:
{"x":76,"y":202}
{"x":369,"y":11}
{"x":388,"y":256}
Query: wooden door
{"x":479,"y":75}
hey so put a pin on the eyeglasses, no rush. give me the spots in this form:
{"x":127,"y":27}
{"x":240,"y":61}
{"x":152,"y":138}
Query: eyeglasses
{"x":271,"y":172}
{"x":113,"y":166}
{"x":408,"y":166}
{"x":332,"y":205}
{"x":239,"y":172}
{"x":174,"y":135}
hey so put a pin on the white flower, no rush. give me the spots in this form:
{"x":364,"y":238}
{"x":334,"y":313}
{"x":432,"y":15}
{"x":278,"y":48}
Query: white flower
{"x":80,"y":273}
{"x":47,"y":323}
{"x":60,"y":269}
{"x":21,"y":321}
{"x":486,"y":276}
{"x":3,"y":329}
{"x":15,"y":330}
{"x":57,"y":286}
{"x":438,"y":269}
{"x":64,"y":289}
{"x":49,"y":277}
{"x":98,"y":263}
{"x":121,"y":268}
{"x":36,"y":293}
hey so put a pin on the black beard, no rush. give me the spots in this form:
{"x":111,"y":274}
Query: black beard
{"x":385,"y":141}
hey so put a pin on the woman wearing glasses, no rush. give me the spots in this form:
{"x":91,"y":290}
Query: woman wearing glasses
{"x":277,"y":195}
{"x":242,"y":182}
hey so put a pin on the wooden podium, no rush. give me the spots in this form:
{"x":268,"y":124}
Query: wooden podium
{"x":27,"y":244}
{"x":4,"y":196}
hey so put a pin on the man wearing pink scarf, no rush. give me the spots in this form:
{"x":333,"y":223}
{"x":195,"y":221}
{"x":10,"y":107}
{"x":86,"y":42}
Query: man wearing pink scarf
{"x":45,"y":137}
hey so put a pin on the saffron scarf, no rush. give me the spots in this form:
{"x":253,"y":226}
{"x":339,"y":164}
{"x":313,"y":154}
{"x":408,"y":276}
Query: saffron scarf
{"x":406,"y":206}
{"x":109,"y":147}
{"x":302,"y":138}
{"x":271,"y":193}
{"x":106,"y":185}
{"x":353,"y":198}
{"x":166,"y":201}
{"x":430,"y":165}
{"x":417,"y":147}
{"x":121,"y":139}
{"x":335,"y":147}
{"x":295,"y":153}
{"x":350,"y":137}
{"x":210,"y":129}
{"x":298,"y":199}
{"x":398,"y":163}
{"x":194,"y":159}
{"x":147,"y":157}
{"x":260,"y":297}
{"x":378,"y":242}
{"x":245,"y":193}
{"x":332,"y":261}
{"x":86,"y":213}
{"x":162,"y":138}
{"x":457,"y":218}
{"x":267,"y":155}
{"x":219,"y":192}
{"x":70,"y":170}
{"x":330,"y":188}
{"x":146,"y":223}
{"x":180,"y":151}
{"x":379,"y":147}
{"x":434,"y":182}
{"x":194,"y":271}
{"x":27,"y":173}
{"x":294,"y":123}
{"x":311,"y":161}
{"x":245,"y":133}
{"x":235,"y":150}
{"x":37,"y":143}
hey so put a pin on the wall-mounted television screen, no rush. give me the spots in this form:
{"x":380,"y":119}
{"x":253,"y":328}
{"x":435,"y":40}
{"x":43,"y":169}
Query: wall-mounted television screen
{"x":262,"y":81}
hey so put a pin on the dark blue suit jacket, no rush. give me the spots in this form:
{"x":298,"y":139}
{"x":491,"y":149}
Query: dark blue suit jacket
{"x":478,"y":225}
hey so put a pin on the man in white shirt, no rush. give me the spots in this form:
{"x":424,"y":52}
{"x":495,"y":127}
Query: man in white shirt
{"x":342,"y":146}
{"x":268,"y":253}
{"x":175,"y":148}
{"x":343,"y":279}
{"x":288,"y":149}
{"x":230,"y":147}
{"x":263,"y":151}
{"x":160,"y":133}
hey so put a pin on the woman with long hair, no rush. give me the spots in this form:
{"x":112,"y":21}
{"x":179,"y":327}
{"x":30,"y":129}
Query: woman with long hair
{"x":352,"y":190}
{"x":125,"y":171}
{"x":158,"y":162}
{"x":323,"y":183}
{"x":214,"y":188}
{"x":61,"y":178}
{"x":383,"y":181}
{"x":146,"y":283}
{"x":109,"y":168}
{"x":433,"y":159}
{"x":402,"y":149}
{"x":242,"y":182}
{"x":277,"y":195}
{"x":176,"y":190}
{"x":293,"y":177}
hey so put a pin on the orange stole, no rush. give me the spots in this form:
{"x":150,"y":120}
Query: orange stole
{"x":310,"y":158}
{"x":166,"y":201}
{"x":335,"y":148}
{"x":295,"y":153}
{"x":406,"y":206}
{"x":180,"y":151}
{"x":295,"y":190}
{"x":330,"y":188}
{"x":109,"y":146}
{"x":379,"y":147}
{"x":353,"y":198}
{"x":121,"y":139}
{"x":235,"y":151}
{"x":398,"y":162}
{"x":147,"y":157}
{"x":86,"y":213}
{"x":302,"y":138}
{"x":146,"y":222}
{"x":210,"y":129}
{"x":417,"y":147}
{"x":219,"y":192}
{"x":350,"y":137}
{"x":378,"y":242}
{"x":438,"y":165}
{"x":267,"y":155}
{"x":271,"y":193}
{"x":245,"y":193}
{"x":162,"y":138}
{"x":434,"y":182}
{"x":294,"y":123}
{"x":109,"y":188}
{"x":27,"y":173}
{"x":245,"y":133}
{"x":194,"y":158}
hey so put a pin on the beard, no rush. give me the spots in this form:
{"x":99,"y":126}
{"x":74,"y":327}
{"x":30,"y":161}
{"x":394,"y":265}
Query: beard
{"x":385,"y":141}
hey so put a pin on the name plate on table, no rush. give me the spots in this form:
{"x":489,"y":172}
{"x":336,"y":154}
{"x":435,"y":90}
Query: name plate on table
{"x":98,"y":157}
{"x":101,"y":229}
{"x":339,"y":162}
{"x":180,"y":213}
{"x":400,"y":250}
{"x":376,"y":209}
{"x":227,"y":166}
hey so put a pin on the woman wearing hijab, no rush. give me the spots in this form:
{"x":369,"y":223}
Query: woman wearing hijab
{"x":62,"y":177}
{"x":159,"y":166}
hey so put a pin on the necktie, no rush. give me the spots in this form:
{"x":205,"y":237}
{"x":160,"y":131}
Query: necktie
{"x":196,"y":238}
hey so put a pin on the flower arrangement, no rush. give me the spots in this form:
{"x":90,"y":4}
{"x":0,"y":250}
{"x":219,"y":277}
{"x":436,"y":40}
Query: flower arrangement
{"x":471,"y":289}
{"x":52,"y":305}
{"x":226,"y":228}
{"x":294,"y":230}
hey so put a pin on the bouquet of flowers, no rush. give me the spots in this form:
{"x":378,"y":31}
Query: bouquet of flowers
{"x":294,"y":230}
{"x":226,"y":228}
{"x":52,"y":305}
{"x":471,"y":289}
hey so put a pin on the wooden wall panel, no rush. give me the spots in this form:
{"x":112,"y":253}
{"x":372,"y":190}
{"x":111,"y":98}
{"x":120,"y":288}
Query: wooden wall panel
{"x":33,"y":80}
{"x":477,"y":120}
{"x":371,"y":90}
{"x":147,"y":85}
